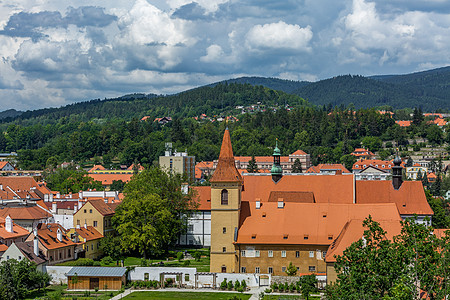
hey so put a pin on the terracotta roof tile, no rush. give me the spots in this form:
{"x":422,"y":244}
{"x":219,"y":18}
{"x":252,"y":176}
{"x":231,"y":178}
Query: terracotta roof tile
{"x":27,"y":249}
{"x":404,"y":123}
{"x":24,"y":213}
{"x":299,"y":152}
{"x":3,"y":247}
{"x":410,"y":198}
{"x":332,"y":167}
{"x":354,"y":230}
{"x":380,"y":164}
{"x":102,"y":207}
{"x":47,"y":234}
{"x":305,"y":223}
{"x":203,"y":196}
{"x":226,"y":169}
{"x":291,"y":196}
{"x":18,"y":231}
{"x":89,"y":233}
{"x":108,"y":178}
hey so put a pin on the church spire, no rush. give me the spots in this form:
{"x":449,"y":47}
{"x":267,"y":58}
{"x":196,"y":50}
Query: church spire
{"x":226,"y":168}
{"x":276,"y":171}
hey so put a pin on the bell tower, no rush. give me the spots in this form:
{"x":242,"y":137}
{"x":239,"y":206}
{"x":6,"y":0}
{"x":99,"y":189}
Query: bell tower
{"x":226,"y":187}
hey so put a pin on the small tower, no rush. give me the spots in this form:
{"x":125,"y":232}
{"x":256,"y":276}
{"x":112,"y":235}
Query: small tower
{"x":397,"y":173}
{"x":276,"y":171}
{"x":226,"y":187}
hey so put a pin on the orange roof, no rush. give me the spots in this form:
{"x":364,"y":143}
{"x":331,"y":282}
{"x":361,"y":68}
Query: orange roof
{"x":331,"y":167}
{"x":140,"y":167}
{"x":362,"y":152}
{"x":102,"y":207}
{"x":226,"y":169}
{"x":260,"y":171}
{"x":22,"y":187}
{"x":89,"y":233}
{"x":205,"y":164}
{"x":144,"y":118}
{"x":380,"y":164}
{"x":25,"y":213}
{"x":410,"y":198}
{"x":3,"y":247}
{"x":299,"y":152}
{"x":326,"y":188}
{"x":3,"y":164}
{"x":431,"y":175}
{"x":433,"y":115}
{"x":96,"y":167}
{"x":404,"y":123}
{"x":18,"y":231}
{"x":304,"y":223}
{"x":47,"y":234}
{"x":440,"y":233}
{"x":203,"y":196}
{"x":261,"y":159}
{"x":354,"y":230}
{"x":108,"y":178}
{"x":440,"y":122}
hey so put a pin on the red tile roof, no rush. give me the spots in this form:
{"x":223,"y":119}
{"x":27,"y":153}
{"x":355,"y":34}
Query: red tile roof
{"x":3,"y":247}
{"x":102,"y":207}
{"x":354,"y":230}
{"x":203,"y":196}
{"x":318,"y":168}
{"x":410,"y":198}
{"x":226,"y":169}
{"x":380,"y":164}
{"x":25,"y":213}
{"x":18,"y":231}
{"x":304,"y":223}
{"x":108,"y":178}
{"x":47,"y":234}
{"x":326,"y":188}
{"x":3,"y":164}
{"x":404,"y":123}
{"x":299,"y":152}
{"x":89,"y":233}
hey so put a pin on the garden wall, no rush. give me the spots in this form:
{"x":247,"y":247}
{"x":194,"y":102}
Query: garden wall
{"x":58,"y":273}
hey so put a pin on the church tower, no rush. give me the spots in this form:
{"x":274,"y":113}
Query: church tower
{"x":226,"y":187}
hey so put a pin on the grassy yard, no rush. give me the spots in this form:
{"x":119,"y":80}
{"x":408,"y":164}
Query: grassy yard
{"x":185,"y":295}
{"x":287,"y":297}
{"x":59,"y":291}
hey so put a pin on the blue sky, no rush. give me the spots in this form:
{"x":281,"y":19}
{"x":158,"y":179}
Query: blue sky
{"x":57,"y":52}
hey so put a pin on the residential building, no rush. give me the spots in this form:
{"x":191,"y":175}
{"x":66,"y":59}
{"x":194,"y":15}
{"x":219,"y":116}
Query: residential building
{"x":384,"y":165}
{"x":203,"y":170}
{"x":54,"y":243}
{"x":89,"y":240}
{"x":362,"y":153}
{"x":26,"y":250}
{"x":6,"y":166}
{"x":178,"y":162}
{"x":262,"y":222}
{"x":10,"y":232}
{"x":372,"y":173}
{"x":412,"y":172}
{"x":330,"y":169}
{"x":27,"y":216}
{"x":22,"y":190}
{"x":96,"y":213}
{"x":405,"y":123}
{"x":107,"y":177}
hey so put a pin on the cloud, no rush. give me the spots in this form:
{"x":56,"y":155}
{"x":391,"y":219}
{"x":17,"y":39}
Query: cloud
{"x":213,"y":54}
{"x":89,"y":16}
{"x":191,"y":11}
{"x":279,"y":36}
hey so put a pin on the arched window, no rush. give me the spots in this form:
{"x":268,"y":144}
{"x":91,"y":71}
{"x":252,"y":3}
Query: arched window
{"x":224,"y":197}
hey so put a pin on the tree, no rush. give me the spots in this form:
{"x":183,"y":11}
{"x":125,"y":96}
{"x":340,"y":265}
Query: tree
{"x":425,"y":180}
{"x":297,"y":166}
{"x":419,"y":175}
{"x":110,"y":246}
{"x":291,"y":270}
{"x":153,"y":213}
{"x":409,"y":162}
{"x":434,"y":135}
{"x":18,"y":278}
{"x":69,"y":179}
{"x":252,"y":166}
{"x":308,"y":285}
{"x":417,"y":117}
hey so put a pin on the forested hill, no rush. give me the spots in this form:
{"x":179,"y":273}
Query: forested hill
{"x":364,"y":92}
{"x":220,"y":99}
{"x":287,"y":86}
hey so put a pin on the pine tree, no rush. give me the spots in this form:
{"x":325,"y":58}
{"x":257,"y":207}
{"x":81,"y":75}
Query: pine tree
{"x":419,"y":176}
{"x":252,"y":166}
{"x":297,"y":166}
{"x":425,"y":180}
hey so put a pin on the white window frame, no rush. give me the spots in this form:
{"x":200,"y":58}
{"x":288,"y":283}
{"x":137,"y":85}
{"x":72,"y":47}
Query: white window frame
{"x":270,"y":253}
{"x":283,"y":253}
{"x":243,"y":253}
{"x":257,"y":253}
{"x":311,"y":254}
{"x":257,"y":270}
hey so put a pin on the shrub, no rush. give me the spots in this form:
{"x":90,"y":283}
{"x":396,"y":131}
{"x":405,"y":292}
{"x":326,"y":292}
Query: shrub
{"x":180,"y":256}
{"x":274,"y":286}
{"x":223,"y":284}
{"x":244,"y":284}
{"x":281,"y":287}
{"x":291,"y":287}
{"x":197,"y":255}
{"x":237,"y":285}
{"x":107,"y":260}
{"x":169,"y":282}
{"x":186,"y":263}
{"x":96,"y":264}
{"x":286,"y":286}
{"x":230,"y":285}
{"x":144,"y":262}
{"x":240,"y":289}
{"x":268,"y":291}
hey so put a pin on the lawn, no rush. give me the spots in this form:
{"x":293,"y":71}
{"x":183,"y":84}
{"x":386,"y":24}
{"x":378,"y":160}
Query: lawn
{"x":287,"y":297}
{"x":185,"y":295}
{"x":59,"y":291}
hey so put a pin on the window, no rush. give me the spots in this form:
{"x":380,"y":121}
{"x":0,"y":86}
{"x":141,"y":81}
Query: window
{"x":84,"y":211}
{"x":90,"y":211}
{"x":324,"y":253}
{"x":186,"y":277}
{"x":270,"y":253}
{"x":257,"y":270}
{"x":311,"y":253}
{"x":243,"y":270}
{"x":224,"y":230}
{"x":92,"y":247}
{"x":224,"y":269}
{"x":283,"y":253}
{"x":224,"y":197}
{"x":95,"y":223}
{"x":312,"y":268}
{"x":270,"y":270}
{"x":78,"y":222}
{"x":68,"y":253}
{"x":51,"y":258}
{"x":190,"y":228}
{"x":60,"y":255}
{"x":224,"y":249}
{"x":20,"y":257}
{"x":283,"y":269}
{"x":243,"y":253}
{"x":297,"y":254}
{"x":257,"y":253}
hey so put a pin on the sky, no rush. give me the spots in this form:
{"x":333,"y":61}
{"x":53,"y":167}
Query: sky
{"x":57,"y":52}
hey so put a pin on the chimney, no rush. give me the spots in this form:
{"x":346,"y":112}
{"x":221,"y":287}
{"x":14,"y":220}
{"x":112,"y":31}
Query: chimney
{"x":58,"y":195}
{"x":54,"y":207}
{"x":85,"y":225}
{"x":36,"y":246}
{"x":59,"y":235}
{"x":106,"y":200}
{"x":1,"y":187}
{"x":258,"y":203}
{"x":8,"y":224}
{"x":78,"y":226}
{"x":397,"y":173}
{"x":280,"y":203}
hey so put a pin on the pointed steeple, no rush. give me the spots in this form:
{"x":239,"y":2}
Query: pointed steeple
{"x":226,"y":169}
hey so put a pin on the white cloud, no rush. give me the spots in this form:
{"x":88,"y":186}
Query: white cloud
{"x":209,"y":5}
{"x":213,"y":54}
{"x":279,"y":36}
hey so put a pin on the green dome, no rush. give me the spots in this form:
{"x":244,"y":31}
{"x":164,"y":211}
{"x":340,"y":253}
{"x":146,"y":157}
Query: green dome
{"x":276,"y":170}
{"x":276,"y":151}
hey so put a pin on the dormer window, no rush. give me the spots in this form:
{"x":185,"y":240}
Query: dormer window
{"x":224,"y":197}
